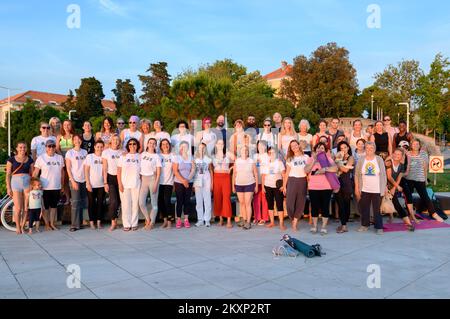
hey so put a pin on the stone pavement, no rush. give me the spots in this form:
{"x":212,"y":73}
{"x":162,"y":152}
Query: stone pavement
{"x":222,"y":263}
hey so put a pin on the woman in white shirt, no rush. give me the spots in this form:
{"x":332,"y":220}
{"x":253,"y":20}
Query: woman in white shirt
{"x":77,"y":182}
{"x":286,"y":135}
{"x":245,"y":183}
{"x":51,"y":168}
{"x":182,"y":135}
{"x":206,"y":136}
{"x":222,"y":183}
{"x":304,"y":128}
{"x":110,"y":158}
{"x":150,"y":173}
{"x":272,"y":181}
{"x":166,"y":183}
{"x":93,"y":170}
{"x":267,"y":134}
{"x":158,"y":133}
{"x":260,"y":207}
{"x":203,"y":185}
{"x":38,"y":142}
{"x":128,"y":177}
{"x":131,"y":132}
{"x":146,"y":127}
{"x":356,"y":134}
{"x":295,"y":183}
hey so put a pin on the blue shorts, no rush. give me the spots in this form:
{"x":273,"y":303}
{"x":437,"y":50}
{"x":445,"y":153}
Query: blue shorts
{"x":19,"y":183}
{"x":245,"y":188}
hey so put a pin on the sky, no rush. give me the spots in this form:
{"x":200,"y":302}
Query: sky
{"x":120,"y":38}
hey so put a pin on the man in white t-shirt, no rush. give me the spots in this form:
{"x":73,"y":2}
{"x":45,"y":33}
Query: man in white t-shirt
{"x":38,"y":142}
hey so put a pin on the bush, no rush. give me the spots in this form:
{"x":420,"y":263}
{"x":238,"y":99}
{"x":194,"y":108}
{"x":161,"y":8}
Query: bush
{"x":2,"y":184}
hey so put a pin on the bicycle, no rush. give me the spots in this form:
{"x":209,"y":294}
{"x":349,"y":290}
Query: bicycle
{"x":7,"y":213}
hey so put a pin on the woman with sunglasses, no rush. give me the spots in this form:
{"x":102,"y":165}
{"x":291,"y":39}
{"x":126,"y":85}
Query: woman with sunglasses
{"x":166,"y":183}
{"x":18,"y":170}
{"x":50,"y":168}
{"x":110,"y":158}
{"x":129,"y":180}
{"x":77,"y":182}
{"x":267,"y":135}
{"x":120,"y":126}
{"x":38,"y":142}
{"x":106,"y":132}
{"x":93,"y":170}
{"x":150,"y":174}
{"x":183,"y":170}
{"x":131,"y":132}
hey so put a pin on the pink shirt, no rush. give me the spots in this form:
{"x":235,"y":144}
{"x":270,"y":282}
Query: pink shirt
{"x":318,"y":182}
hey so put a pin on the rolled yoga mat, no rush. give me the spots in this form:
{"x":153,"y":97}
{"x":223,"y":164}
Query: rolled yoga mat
{"x":300,"y":246}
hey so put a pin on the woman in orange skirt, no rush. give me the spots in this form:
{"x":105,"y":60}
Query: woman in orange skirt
{"x":222,"y":183}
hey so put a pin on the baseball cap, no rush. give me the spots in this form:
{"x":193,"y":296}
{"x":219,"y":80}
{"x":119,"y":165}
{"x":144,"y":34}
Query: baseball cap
{"x":50,"y":142}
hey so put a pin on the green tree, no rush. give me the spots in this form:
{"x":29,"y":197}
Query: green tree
{"x":226,"y":68}
{"x":89,"y":99}
{"x":324,"y":83}
{"x":401,"y":80}
{"x":155,"y":86}
{"x":125,"y":95}
{"x":433,"y":95}
{"x":69,"y":103}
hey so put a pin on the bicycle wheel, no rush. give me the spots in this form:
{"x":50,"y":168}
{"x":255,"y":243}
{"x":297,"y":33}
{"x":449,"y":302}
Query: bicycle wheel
{"x":7,"y":215}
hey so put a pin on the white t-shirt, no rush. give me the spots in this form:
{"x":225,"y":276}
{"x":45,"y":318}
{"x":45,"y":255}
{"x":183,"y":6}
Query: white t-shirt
{"x":269,"y":138}
{"x":112,"y":158}
{"x":272,"y":172}
{"x":222,"y":164}
{"x":285,"y":141}
{"x":159,"y":137}
{"x":260,"y":160}
{"x":50,"y":167}
{"x":38,"y":144}
{"x":167,"y":161}
{"x":209,"y":138}
{"x":307,"y":138}
{"x":371,"y":177}
{"x":149,"y":163}
{"x":128,"y":135}
{"x":147,"y":137}
{"x":76,"y":159}
{"x":35,"y":199}
{"x":95,"y":164}
{"x":131,"y":169}
{"x":202,"y":166}
{"x":244,"y":172}
{"x":178,"y":138}
{"x":297,"y":166}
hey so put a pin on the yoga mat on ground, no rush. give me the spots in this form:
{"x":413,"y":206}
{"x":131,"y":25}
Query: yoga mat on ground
{"x":423,"y":225}
{"x":305,"y":249}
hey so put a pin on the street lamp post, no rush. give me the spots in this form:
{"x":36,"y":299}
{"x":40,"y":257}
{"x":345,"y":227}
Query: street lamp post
{"x":70,"y":113}
{"x":407,"y":113}
{"x":371,"y":113}
{"x":9,"y":116}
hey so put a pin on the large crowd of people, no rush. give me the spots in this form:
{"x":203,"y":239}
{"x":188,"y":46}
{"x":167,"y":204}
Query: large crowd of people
{"x":279,"y":170}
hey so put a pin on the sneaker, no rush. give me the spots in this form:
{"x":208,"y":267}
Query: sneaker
{"x":186,"y":223}
{"x":247,"y":226}
{"x":323,"y":231}
{"x":178,"y":225}
{"x":363,"y":229}
{"x":411,"y":228}
{"x":313,"y":230}
{"x":199,"y":223}
{"x":261,"y":223}
{"x":380,"y":232}
{"x":208,"y":224}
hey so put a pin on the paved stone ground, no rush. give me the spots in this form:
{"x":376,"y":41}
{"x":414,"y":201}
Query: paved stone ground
{"x":222,"y":263}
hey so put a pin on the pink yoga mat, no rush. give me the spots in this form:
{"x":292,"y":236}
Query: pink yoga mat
{"x":424,"y":224}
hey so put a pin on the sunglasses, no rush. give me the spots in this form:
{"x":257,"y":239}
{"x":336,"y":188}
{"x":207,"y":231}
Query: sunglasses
{"x":132,"y":144}
{"x":51,"y":146}
{"x":387,"y":120}
{"x":131,"y":122}
{"x":120,"y":123}
{"x":45,"y":127}
{"x":266,"y":125}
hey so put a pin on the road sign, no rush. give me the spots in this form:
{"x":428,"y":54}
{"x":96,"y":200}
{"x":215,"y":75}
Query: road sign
{"x":437,"y":164}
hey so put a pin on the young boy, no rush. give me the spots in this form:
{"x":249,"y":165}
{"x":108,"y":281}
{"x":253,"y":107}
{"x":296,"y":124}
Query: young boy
{"x":35,"y":204}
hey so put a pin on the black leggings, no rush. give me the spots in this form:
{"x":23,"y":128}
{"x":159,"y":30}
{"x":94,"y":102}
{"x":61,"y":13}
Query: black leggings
{"x":183,"y":199}
{"x":421,"y":188}
{"x":95,"y":199}
{"x":164,"y":203}
{"x":114,"y":197}
{"x":274,"y":195}
{"x":320,"y":202}
{"x":344,"y":199}
{"x":33,"y":216}
{"x":399,"y":208}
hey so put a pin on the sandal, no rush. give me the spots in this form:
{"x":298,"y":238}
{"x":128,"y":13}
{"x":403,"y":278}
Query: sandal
{"x":127,"y":229}
{"x":73,"y":229}
{"x":313,"y":230}
{"x":323,"y":231}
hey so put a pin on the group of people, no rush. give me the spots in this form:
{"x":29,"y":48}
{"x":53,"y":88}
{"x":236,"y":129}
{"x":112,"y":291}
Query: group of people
{"x":273,"y":170}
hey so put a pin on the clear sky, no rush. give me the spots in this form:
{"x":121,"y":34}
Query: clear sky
{"x":120,"y":38}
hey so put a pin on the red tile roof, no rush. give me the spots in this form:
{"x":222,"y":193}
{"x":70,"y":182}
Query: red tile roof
{"x":46,"y":98}
{"x":279,"y":73}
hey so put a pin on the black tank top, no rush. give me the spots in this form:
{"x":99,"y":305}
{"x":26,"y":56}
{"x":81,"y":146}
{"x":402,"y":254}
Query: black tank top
{"x":399,"y":138}
{"x":382,"y":142}
{"x":88,"y":145}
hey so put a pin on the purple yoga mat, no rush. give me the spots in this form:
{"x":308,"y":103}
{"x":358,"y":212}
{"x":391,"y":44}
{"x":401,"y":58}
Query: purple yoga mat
{"x":331,"y":177}
{"x":424,"y":224}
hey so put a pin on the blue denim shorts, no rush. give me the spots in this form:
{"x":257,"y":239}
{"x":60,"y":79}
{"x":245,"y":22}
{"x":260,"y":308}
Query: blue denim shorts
{"x":19,"y":183}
